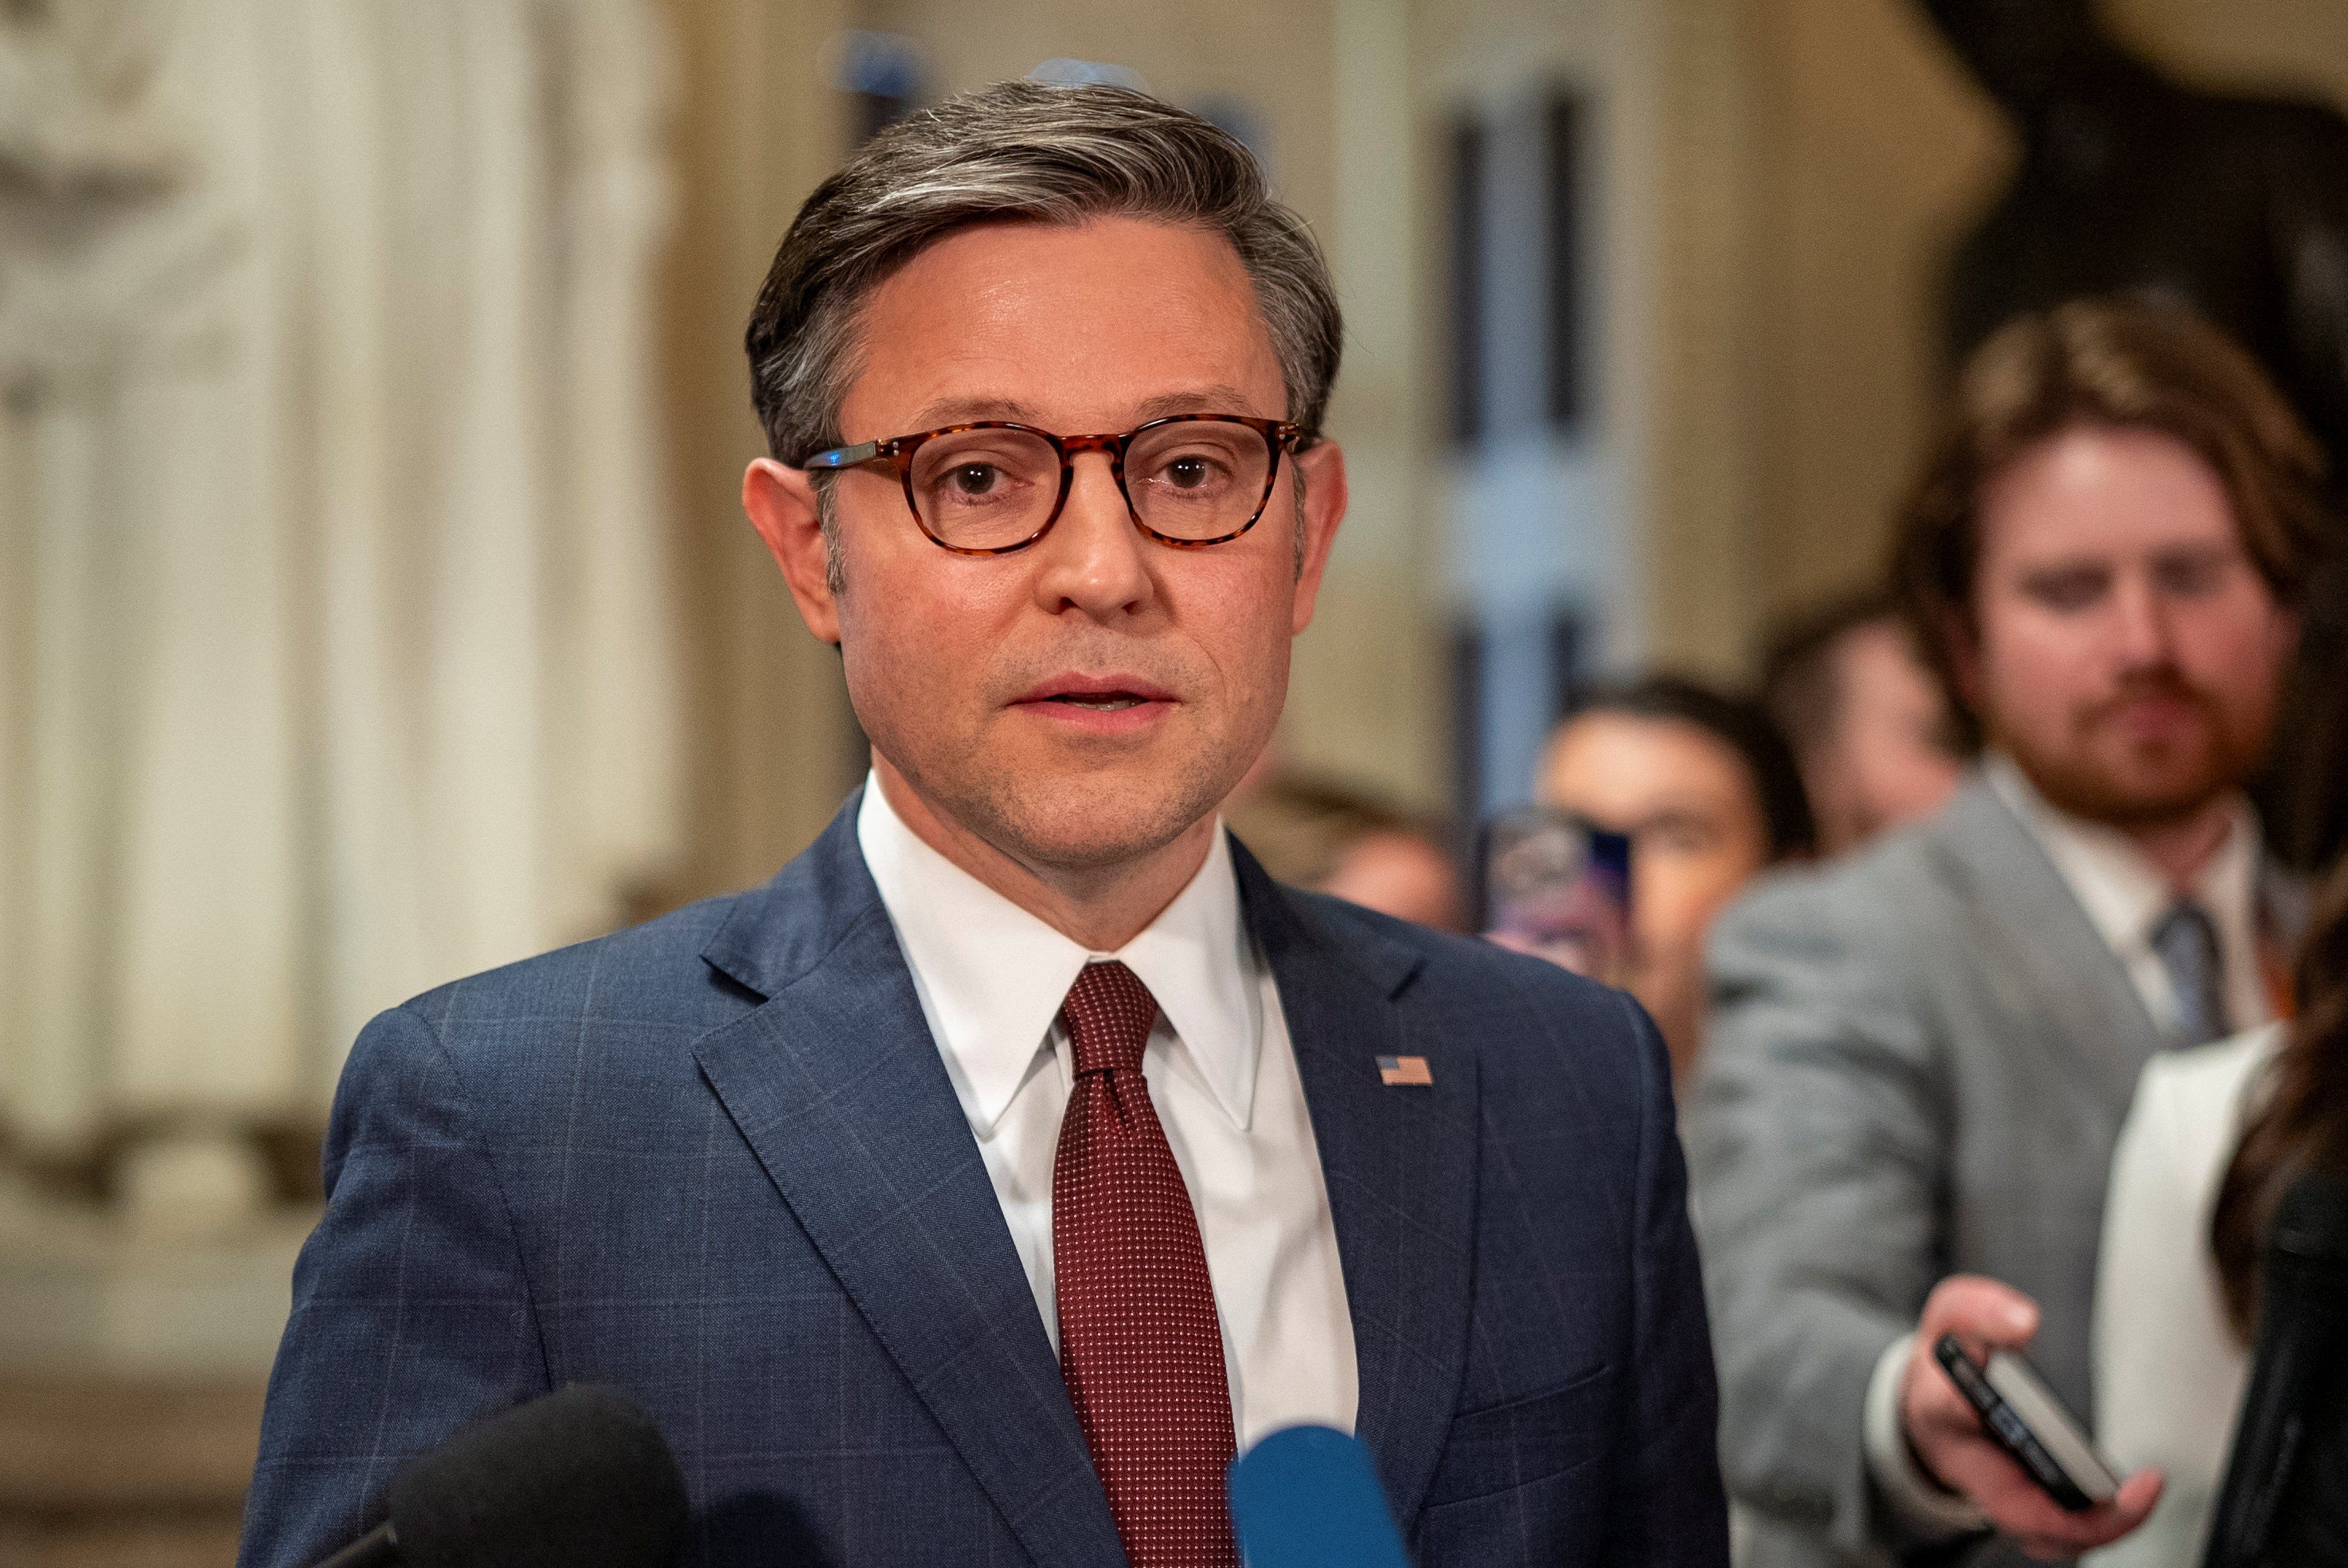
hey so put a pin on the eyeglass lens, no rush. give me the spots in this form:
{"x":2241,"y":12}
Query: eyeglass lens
{"x":1190,"y":479}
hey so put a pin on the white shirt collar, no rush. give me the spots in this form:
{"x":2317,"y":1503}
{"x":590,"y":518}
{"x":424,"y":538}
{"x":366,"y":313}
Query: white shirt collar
{"x":992,"y":976}
{"x":2124,"y":893}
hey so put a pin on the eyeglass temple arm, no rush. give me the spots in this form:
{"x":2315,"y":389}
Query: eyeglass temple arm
{"x":844,"y":456}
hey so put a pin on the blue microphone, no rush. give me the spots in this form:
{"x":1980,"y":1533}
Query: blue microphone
{"x":1305,"y":1497}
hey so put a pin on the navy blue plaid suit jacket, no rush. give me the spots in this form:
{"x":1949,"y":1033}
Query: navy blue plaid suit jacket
{"x":715,"y":1162}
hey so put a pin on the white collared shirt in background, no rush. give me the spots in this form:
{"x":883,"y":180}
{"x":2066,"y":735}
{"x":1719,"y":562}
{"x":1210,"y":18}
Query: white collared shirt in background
{"x":1221,"y":1074}
{"x":2126,"y":897}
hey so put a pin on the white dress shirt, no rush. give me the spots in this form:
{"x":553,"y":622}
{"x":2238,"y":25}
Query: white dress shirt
{"x":2169,"y":1373}
{"x":2124,"y":895}
{"x":1221,"y":1074}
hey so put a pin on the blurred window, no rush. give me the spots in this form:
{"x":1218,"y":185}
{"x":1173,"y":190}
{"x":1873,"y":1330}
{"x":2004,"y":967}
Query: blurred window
{"x":1468,"y":139}
{"x":1517,"y":315}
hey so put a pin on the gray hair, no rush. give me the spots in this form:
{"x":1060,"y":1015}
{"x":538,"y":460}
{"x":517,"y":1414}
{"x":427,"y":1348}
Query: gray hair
{"x":1023,"y":150}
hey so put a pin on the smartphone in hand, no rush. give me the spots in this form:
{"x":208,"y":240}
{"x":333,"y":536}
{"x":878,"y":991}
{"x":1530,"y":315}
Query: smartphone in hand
{"x":1549,"y":884}
{"x":2022,"y":1414}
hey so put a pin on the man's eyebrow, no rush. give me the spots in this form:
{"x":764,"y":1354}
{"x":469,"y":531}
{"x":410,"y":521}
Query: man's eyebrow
{"x":962,"y":410}
{"x":2054,"y":575}
{"x":1216,"y":399}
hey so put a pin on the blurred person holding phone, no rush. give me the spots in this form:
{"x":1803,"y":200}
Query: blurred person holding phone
{"x":1867,"y":722}
{"x":1922,"y":1055}
{"x":1705,"y":790}
{"x":2214,"y":1139}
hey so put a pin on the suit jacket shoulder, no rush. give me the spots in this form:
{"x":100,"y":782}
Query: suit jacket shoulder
{"x":656,"y":966}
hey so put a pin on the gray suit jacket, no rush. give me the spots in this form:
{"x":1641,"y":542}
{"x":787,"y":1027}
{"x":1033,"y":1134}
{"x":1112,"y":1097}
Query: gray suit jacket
{"x":1917,"y":1064}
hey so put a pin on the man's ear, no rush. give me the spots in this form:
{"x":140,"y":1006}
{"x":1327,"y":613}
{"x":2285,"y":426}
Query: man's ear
{"x":782,"y":503}
{"x":1324,"y":467}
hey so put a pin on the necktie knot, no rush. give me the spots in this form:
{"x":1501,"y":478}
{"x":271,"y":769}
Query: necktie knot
{"x":1109,"y":1012}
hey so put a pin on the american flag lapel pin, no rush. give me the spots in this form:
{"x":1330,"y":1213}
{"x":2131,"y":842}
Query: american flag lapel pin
{"x":1405,"y":1072}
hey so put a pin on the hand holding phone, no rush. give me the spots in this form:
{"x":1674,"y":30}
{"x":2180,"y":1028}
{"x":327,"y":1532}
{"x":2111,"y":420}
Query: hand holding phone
{"x":2022,"y":1413}
{"x":1962,"y":1450}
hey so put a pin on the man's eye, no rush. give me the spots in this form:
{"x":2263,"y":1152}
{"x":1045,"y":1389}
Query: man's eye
{"x":1191,"y":472}
{"x":2067,"y":590}
{"x":974,"y":478}
{"x":2191,"y":576}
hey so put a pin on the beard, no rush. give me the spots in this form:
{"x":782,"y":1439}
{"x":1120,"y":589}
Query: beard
{"x":2105,"y":773}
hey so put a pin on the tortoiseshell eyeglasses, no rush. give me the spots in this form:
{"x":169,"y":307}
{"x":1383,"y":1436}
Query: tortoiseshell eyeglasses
{"x":992,"y":487}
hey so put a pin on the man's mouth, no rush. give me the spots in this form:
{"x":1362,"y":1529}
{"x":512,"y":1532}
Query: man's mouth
{"x":1099,"y":701}
{"x":1112,"y":702}
{"x":1107,"y":690}
{"x":2161,"y":705}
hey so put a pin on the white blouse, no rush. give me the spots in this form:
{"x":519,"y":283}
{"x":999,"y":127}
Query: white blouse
{"x":2168,"y":1372}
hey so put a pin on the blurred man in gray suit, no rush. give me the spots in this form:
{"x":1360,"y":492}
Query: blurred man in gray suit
{"x":1920,"y":1057}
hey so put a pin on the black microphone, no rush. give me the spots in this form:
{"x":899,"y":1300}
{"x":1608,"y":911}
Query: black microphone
{"x":579,"y":1479}
{"x":2301,"y":1317}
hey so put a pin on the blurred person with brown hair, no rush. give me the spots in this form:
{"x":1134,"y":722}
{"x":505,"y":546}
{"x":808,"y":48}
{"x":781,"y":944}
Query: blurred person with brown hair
{"x":1922,"y":1055}
{"x":1709,"y":795}
{"x":1869,"y":727}
{"x":2129,"y":178}
{"x":1330,"y":837}
{"x":2215,"y":1137}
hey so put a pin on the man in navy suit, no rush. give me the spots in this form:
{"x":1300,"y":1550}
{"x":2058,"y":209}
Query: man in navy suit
{"x":971,"y":1193}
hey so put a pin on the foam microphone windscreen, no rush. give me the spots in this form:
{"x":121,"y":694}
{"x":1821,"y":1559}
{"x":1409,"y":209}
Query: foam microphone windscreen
{"x":579,"y":1479}
{"x":1308,"y":1497}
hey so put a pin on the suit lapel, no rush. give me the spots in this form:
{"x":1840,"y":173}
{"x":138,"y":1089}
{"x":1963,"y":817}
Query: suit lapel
{"x":1400,"y":1163}
{"x":838,"y":1088}
{"x":2044,"y":946}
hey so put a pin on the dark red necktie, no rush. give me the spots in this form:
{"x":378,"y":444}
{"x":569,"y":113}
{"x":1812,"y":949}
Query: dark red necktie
{"x":1139,"y":1344}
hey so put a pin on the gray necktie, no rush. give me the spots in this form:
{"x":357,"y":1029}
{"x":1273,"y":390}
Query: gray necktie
{"x":2187,"y":944}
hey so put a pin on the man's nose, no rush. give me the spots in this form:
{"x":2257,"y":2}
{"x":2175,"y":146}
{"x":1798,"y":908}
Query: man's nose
{"x":2142,"y":623}
{"x":1093,"y":558}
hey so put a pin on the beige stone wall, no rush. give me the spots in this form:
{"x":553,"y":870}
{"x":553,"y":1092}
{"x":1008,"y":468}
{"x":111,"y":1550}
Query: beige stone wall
{"x":1701,"y":550}
{"x":770,"y":752}
{"x":1368,"y":698}
{"x":1871,"y":152}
